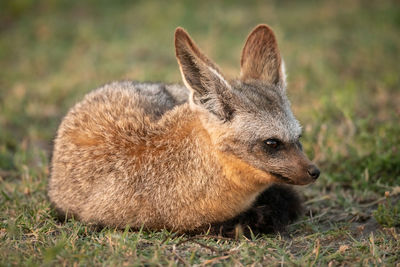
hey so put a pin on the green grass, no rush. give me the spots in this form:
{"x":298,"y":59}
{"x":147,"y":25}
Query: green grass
{"x":342,"y":58}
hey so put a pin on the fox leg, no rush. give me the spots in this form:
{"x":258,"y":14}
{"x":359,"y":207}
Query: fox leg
{"x":273,"y":210}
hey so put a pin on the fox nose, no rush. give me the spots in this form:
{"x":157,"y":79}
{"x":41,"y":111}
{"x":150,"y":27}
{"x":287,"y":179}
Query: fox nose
{"x":313,"y":171}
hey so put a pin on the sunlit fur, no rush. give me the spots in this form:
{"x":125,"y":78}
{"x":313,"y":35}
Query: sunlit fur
{"x":175,"y":157}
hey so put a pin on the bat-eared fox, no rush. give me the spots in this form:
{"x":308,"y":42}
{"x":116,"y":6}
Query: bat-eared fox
{"x":212,"y":155}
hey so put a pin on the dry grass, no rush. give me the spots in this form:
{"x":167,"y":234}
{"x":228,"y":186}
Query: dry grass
{"x":343,"y":63}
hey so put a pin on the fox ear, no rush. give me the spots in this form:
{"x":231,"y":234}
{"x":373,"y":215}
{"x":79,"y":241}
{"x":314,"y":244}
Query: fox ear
{"x":209,"y":88}
{"x":261,"y":59}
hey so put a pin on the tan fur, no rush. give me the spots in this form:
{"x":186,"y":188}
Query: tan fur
{"x":260,"y":57}
{"x":146,"y":155}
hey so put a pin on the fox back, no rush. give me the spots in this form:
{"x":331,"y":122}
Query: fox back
{"x":180,"y":157}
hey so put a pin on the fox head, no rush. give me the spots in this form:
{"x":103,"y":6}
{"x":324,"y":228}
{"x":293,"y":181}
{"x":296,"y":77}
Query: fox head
{"x":248,"y":118}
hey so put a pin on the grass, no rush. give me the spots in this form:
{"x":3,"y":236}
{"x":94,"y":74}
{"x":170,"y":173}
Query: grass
{"x":343,"y":63}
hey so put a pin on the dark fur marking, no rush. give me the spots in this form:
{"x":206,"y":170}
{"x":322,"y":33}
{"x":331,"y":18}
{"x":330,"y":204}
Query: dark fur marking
{"x":273,"y":210}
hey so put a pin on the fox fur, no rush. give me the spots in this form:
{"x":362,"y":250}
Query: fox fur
{"x":275,"y":208}
{"x":184,"y":157}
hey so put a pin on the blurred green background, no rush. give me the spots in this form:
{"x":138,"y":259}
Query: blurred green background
{"x":342,"y":59}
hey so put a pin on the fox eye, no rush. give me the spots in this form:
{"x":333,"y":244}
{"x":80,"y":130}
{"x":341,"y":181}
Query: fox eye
{"x":273,"y":143}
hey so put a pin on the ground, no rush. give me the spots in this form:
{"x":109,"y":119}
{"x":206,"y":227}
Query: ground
{"x":342,"y":59}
